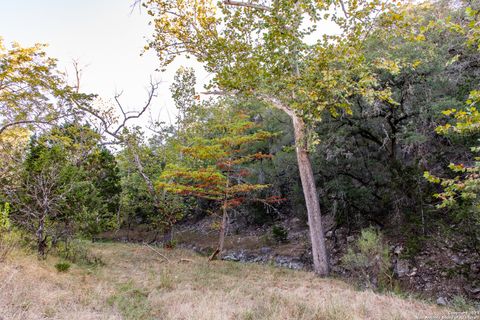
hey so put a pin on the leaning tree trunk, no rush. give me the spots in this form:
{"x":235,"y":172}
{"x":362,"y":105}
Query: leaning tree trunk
{"x":319,"y":250}
{"x":317,"y":237}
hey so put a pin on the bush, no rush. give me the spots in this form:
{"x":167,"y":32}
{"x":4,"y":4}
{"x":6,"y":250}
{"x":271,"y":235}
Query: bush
{"x":62,"y":266}
{"x":8,"y":236}
{"x":280,"y":234}
{"x":76,"y":251}
{"x":369,"y":260}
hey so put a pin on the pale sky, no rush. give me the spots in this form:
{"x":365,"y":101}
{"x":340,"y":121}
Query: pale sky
{"x":105,"y":36}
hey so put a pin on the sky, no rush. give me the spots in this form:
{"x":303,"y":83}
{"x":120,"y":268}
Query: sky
{"x":106,"y":37}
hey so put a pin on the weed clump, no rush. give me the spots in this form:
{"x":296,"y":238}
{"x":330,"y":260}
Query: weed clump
{"x":62,"y":266}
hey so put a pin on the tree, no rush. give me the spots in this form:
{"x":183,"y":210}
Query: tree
{"x":461,"y":191}
{"x":211,"y":167}
{"x":47,"y":182}
{"x":68,"y":185}
{"x":260,"y":48}
{"x":33,"y":93}
{"x":138,"y":203}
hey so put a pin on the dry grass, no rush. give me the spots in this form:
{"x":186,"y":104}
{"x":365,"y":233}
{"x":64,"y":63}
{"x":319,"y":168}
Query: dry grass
{"x":137,"y":283}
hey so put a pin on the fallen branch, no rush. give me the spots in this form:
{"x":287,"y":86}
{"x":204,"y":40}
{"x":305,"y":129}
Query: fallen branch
{"x":185,"y":260}
{"x":158,"y":252}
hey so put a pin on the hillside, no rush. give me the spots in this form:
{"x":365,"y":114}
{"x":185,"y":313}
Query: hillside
{"x":136,"y":282}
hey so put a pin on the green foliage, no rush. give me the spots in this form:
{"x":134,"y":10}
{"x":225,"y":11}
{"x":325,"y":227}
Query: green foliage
{"x":69,"y":186}
{"x":279,"y":234}
{"x":460,"y":193}
{"x":139,"y":202}
{"x":369,"y":261}
{"x":78,"y":252}
{"x":4,"y":217}
{"x":33,"y":92}
{"x":9,"y":238}
{"x":62,"y":266}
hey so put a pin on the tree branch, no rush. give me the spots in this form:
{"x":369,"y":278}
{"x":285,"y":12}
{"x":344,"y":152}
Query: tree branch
{"x":246,"y":4}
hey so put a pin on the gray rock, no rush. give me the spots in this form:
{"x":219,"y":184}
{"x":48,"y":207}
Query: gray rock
{"x":442,"y":301}
{"x":401,"y":268}
{"x":457,"y":259}
{"x":265,"y":250}
{"x":230,"y":257}
{"x":350,"y":238}
{"x":398,"y":249}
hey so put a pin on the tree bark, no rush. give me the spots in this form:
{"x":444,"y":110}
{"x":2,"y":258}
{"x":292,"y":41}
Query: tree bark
{"x":41,"y":241}
{"x":319,"y":250}
{"x":223,"y":227}
{"x":317,"y":237}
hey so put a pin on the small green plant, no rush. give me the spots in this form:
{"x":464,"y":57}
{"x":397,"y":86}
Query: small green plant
{"x":279,"y":234}
{"x":170,"y":244}
{"x":369,"y":260}
{"x":62,"y":266}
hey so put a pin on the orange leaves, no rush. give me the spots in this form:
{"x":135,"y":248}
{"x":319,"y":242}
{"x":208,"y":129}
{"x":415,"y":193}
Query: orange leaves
{"x":213,"y":158}
{"x":275,"y":199}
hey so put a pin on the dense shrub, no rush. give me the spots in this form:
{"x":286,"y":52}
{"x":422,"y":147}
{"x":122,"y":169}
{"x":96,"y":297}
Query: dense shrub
{"x":368,"y":260}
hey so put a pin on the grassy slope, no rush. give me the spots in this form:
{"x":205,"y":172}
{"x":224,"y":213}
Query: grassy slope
{"x":137,"y":283}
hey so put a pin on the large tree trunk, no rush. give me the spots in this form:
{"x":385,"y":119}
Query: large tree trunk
{"x":319,"y":250}
{"x":317,"y":237}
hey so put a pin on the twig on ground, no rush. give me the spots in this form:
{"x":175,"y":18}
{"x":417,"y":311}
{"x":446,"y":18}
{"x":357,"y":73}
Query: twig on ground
{"x":159,"y":253}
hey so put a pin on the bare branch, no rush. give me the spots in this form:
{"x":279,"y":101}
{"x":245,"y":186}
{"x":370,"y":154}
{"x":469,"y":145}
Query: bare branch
{"x":342,"y":5}
{"x":246,"y":4}
{"x":136,"y":3}
{"x":126,"y":115}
